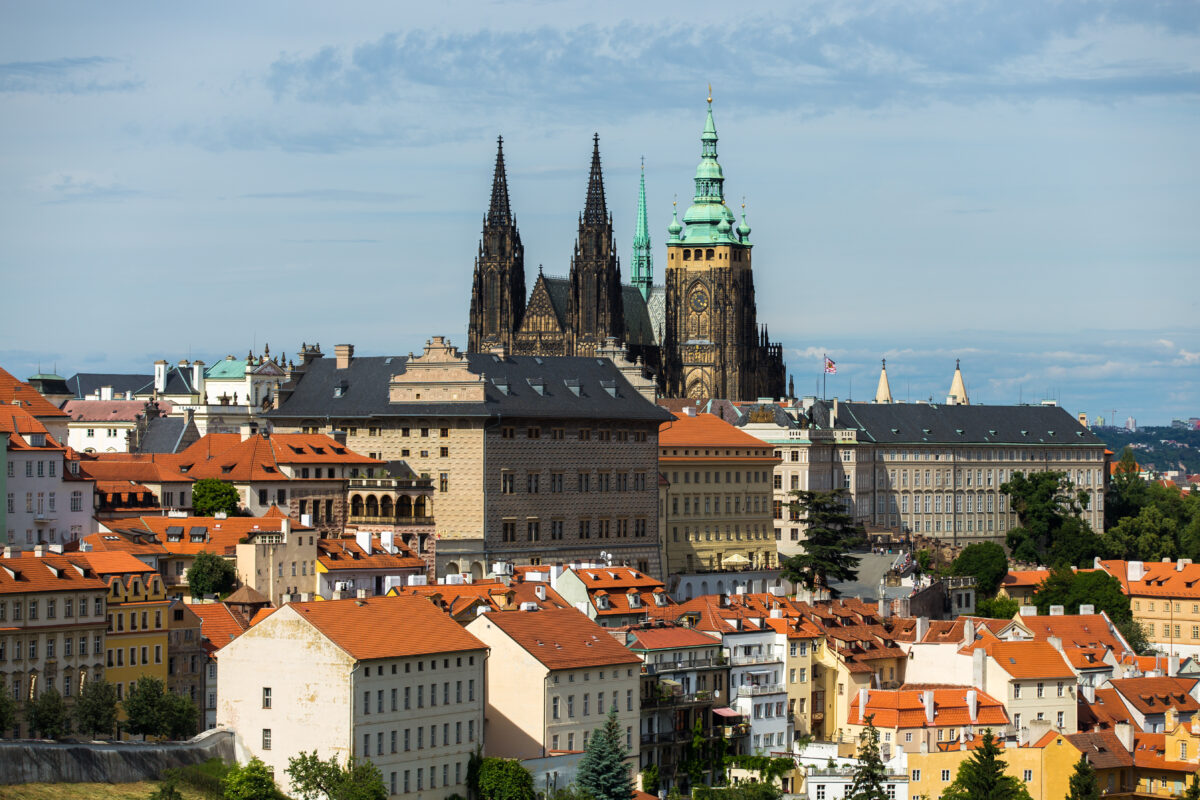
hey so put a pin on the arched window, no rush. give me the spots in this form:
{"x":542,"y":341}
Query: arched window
{"x":708,"y":254}
{"x":385,"y":506}
{"x":687,"y":255}
{"x":404,"y":506}
{"x":372,"y":506}
{"x":356,"y":506}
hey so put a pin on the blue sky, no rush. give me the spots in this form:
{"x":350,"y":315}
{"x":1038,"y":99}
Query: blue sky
{"x":1013,"y":184}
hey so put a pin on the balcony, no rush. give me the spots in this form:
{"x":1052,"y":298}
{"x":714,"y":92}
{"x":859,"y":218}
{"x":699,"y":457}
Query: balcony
{"x":388,"y":483}
{"x":762,"y":688}
{"x":363,"y":519}
{"x":683,"y":666}
{"x":677,"y":700}
{"x":744,"y":661}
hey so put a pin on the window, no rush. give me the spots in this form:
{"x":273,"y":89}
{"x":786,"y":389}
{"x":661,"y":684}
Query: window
{"x":916,"y":775}
{"x":1041,"y":690}
{"x":945,"y":776}
{"x":266,"y":738}
{"x":1028,"y":775}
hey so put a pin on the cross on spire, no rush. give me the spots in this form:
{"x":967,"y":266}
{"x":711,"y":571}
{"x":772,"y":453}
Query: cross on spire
{"x":498,"y":211}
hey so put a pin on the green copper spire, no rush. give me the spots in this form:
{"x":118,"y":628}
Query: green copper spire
{"x":643,"y":265}
{"x":709,"y":219}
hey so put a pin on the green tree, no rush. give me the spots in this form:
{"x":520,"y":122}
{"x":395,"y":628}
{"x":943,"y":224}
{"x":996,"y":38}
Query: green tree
{"x":1135,"y":635}
{"x":1127,"y":492}
{"x":987,"y":562}
{"x":210,"y":574}
{"x":313,"y":778}
{"x":504,"y":779}
{"x":925,"y":560}
{"x":1050,"y":529}
{"x":47,"y":715}
{"x":1193,"y":790}
{"x":168,"y":789}
{"x":251,"y":781}
{"x":211,"y":496}
{"x":870,"y":776}
{"x":650,"y":779}
{"x":997,"y":608}
{"x":831,"y":534}
{"x":982,"y":776}
{"x":96,"y":708}
{"x":603,"y":772}
{"x":1069,"y":589}
{"x":1083,"y":784}
{"x":8,"y":713}
{"x":180,"y":716}
{"x":145,"y":708}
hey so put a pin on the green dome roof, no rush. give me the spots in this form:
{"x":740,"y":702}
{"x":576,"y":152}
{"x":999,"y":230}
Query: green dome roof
{"x":708,"y":219}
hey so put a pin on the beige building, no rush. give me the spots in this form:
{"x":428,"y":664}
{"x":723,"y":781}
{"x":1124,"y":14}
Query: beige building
{"x":52,"y":624}
{"x":1165,"y":598}
{"x":531,"y":458}
{"x":561,"y":674}
{"x":716,"y":510}
{"x":392,"y":680}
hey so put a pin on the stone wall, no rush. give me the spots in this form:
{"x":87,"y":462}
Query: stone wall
{"x":117,"y":762}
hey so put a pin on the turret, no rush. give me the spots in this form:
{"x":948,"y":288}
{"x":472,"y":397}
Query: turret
{"x":958,"y":389}
{"x":883,"y":393}
{"x":642,"y":269}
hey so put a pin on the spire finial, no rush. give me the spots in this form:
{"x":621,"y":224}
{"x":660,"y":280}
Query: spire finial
{"x":710,"y":93}
{"x":884,"y":363}
{"x":956,"y":363}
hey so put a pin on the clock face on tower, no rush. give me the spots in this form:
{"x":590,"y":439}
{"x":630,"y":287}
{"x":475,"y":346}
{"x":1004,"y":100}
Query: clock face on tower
{"x":699,"y":300}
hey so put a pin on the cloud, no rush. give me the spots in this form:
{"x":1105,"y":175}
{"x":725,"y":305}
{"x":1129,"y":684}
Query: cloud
{"x":83,"y":187}
{"x":330,"y":196}
{"x":79,"y":75}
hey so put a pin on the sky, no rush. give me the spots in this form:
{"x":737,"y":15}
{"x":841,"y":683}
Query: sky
{"x":1012,"y":184}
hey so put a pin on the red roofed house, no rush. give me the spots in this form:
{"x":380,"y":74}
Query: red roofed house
{"x":613,"y":596}
{"x":48,"y":501}
{"x":390,"y":679}
{"x":17,"y":394}
{"x":1148,"y":700}
{"x":219,"y":625}
{"x":365,"y":565}
{"x":913,"y":718}
{"x":1164,"y":597}
{"x":1020,"y":585}
{"x":561,"y":674}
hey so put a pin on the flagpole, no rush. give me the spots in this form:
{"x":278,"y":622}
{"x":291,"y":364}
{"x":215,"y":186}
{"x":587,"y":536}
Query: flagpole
{"x":824,"y":373}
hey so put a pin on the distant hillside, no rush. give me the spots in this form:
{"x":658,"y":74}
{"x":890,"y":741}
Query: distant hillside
{"x":1156,"y":448}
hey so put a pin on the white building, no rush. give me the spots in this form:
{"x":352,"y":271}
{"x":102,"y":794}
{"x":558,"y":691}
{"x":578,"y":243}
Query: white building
{"x":756,"y":687}
{"x":47,"y":500}
{"x":392,"y":680}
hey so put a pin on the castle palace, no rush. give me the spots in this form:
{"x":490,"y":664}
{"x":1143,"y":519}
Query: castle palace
{"x":698,"y":334}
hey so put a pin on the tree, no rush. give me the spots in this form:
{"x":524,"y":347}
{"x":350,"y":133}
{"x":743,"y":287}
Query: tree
{"x":1193,"y":790}
{"x":1136,"y":637}
{"x":1070,"y":589}
{"x":96,"y":708}
{"x":313,"y":778}
{"x":1050,"y":529}
{"x":211,"y":496}
{"x":144,"y":707}
{"x":831,"y":535}
{"x":1083,"y":785}
{"x":987,"y":562}
{"x":168,"y":789}
{"x":870,"y":776}
{"x":982,"y":776}
{"x":650,"y":779}
{"x":210,"y":574}
{"x":47,"y":715}
{"x":603,"y":772}
{"x":251,"y":781}
{"x":1127,"y":492}
{"x":179,"y":716}
{"x":504,"y":779}
{"x":997,"y":608}
{"x":8,"y":713}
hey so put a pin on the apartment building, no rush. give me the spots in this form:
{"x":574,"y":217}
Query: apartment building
{"x":532,"y":458}
{"x":52,"y":624}
{"x":186,"y":656}
{"x":919,"y":719}
{"x":716,"y":513}
{"x":389,"y":679}
{"x":613,"y":596}
{"x":1164,"y":597}
{"x":1044,"y":766}
{"x":561,"y":675}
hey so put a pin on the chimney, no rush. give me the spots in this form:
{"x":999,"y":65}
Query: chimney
{"x":1124,"y":732}
{"x":1173,"y":664}
{"x":1028,"y":611}
{"x":361,"y":594}
{"x":1037,"y":729}
{"x":106,"y":393}
{"x":1087,"y":608}
{"x":160,"y":376}
{"x":689,"y":411}
{"x":927,"y":696}
{"x":864,"y":695}
{"x":1170,"y":719}
{"x":1089,"y":692}
{"x":973,"y":705}
{"x":198,"y":381}
{"x":343,"y":353}
{"x":922,"y":628}
{"x":1056,"y":611}
{"x":978,"y":672}
{"x":968,"y":632}
{"x":885,"y":610}
{"x":364,"y":541}
{"x":1135,"y":570}
{"x":285,"y":527}
{"x":39,"y":550}
{"x":1055,"y":642}
{"x":540,"y":591}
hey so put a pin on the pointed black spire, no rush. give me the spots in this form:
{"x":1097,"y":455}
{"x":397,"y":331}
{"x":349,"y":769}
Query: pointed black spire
{"x":498,"y":211}
{"x":595,"y":211}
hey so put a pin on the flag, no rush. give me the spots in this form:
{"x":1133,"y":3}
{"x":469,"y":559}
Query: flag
{"x":830,"y":367}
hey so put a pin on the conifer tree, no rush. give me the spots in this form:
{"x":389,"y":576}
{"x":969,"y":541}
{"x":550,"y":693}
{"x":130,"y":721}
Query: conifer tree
{"x":982,"y":776}
{"x":1083,"y":785}
{"x":870,"y":777}
{"x":831,"y":535}
{"x":603,"y":773}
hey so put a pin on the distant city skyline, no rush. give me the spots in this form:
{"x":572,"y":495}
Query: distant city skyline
{"x":1012,"y":185}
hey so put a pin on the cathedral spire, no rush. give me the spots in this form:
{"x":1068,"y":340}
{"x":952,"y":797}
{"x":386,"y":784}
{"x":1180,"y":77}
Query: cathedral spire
{"x":883,"y":393}
{"x":498,"y":211}
{"x":595,"y":211}
{"x":643,"y":266}
{"x":958,"y":389}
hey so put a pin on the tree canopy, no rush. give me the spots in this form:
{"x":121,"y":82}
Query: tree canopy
{"x":154,"y":711}
{"x":986,"y":562}
{"x":211,"y":496}
{"x":210,"y":574}
{"x":251,"y":781}
{"x":1050,"y":529}
{"x":831,"y":535}
{"x":48,"y":715}
{"x":96,"y":708}
{"x":504,"y":779}
{"x":982,"y":776}
{"x":603,"y":772}
{"x":313,"y":778}
{"x":1070,"y":589}
{"x":1083,"y":784}
{"x":8,"y":713}
{"x":870,"y":776}
{"x":997,"y":608}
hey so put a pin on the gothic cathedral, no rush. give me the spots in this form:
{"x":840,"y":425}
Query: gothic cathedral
{"x":698,"y":334}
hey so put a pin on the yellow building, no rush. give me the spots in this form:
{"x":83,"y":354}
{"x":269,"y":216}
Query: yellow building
{"x":136,"y":642}
{"x":802,"y":639}
{"x":1044,"y":767}
{"x":1165,"y":598}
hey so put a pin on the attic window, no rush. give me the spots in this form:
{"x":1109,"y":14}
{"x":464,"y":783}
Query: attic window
{"x":268,"y":469}
{"x":297,"y":450}
{"x":175,"y":533}
{"x":927,"y":431}
{"x":609,"y":386}
{"x":338,"y":391}
{"x":895,"y":430}
{"x":1024,"y":433}
{"x":537,"y":385}
{"x":959,"y":431}
{"x":538,"y":360}
{"x":573,"y":385}
{"x":341,"y":451}
{"x":993,"y":433}
{"x":227,"y":468}
{"x":1050,"y":432}
{"x":1079,"y":434}
{"x":502,"y":386}
{"x":197,"y":533}
{"x":319,"y":451}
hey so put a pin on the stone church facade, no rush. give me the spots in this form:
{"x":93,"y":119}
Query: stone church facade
{"x":698,"y":334}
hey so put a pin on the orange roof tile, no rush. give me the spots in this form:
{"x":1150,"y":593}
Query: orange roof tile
{"x":562,"y":638}
{"x":1075,"y":630}
{"x":345,"y":553}
{"x":14,"y":392}
{"x":458,"y":598}
{"x":108,"y":563}
{"x":146,"y":544}
{"x":387,"y":627}
{"x":1156,"y":695}
{"x":1029,"y":659}
{"x":707,"y":430}
{"x":218,"y":622}
{"x":1161,"y":579}
{"x":25,"y":572}
{"x":905,"y":708}
{"x":258,"y":457}
{"x":1102,"y":748}
{"x":669,"y":638}
{"x":1026,"y":579}
{"x":136,"y":467}
{"x":1150,"y":752}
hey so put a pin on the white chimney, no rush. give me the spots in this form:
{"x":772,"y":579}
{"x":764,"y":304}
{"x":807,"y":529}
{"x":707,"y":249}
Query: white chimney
{"x":973,"y":705}
{"x":361,"y":594}
{"x":388,"y":540}
{"x":922,"y":628}
{"x":1173,"y":662}
{"x":539,"y":590}
{"x":1124,"y":732}
{"x":1055,"y":642}
{"x":198,"y":379}
{"x":1087,"y":608}
{"x":1028,"y":611}
{"x":106,"y":393}
{"x":928,"y":697}
{"x":968,"y":632}
{"x":689,"y":411}
{"x":863,"y":697}
{"x":1056,"y":611}
{"x":1089,"y":692}
{"x":160,"y":376}
{"x":1135,"y":571}
{"x":364,"y":541}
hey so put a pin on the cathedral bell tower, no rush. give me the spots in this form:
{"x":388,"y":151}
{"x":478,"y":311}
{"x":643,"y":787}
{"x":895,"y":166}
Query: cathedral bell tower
{"x":595,"y":311}
{"x":713,"y":346}
{"x":498,"y":288}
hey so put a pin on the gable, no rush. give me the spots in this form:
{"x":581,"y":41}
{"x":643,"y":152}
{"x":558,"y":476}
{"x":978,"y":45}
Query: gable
{"x":541,"y":313}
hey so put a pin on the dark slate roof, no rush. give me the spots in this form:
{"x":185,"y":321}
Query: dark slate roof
{"x":163,"y":435}
{"x":363,"y":390}
{"x":940,"y":424}
{"x":638,"y":329}
{"x":85,"y":383}
{"x":559,"y":290}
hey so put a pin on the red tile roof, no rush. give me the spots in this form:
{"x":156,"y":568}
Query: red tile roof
{"x":146,"y":545}
{"x":345,"y":553}
{"x":220,"y":536}
{"x":1102,"y":748}
{"x":1090,"y":631}
{"x":1024,"y":579}
{"x":109,"y":563}
{"x":218,"y":622}
{"x":669,"y":638}
{"x":387,"y":627}
{"x":18,"y":426}
{"x":1161,"y":579}
{"x":562,"y":638}
{"x":460,"y":600}
{"x":136,"y":467}
{"x":905,"y":708}
{"x":1150,"y":752}
{"x":109,"y":410}
{"x":14,"y":392}
{"x":707,"y":430}
{"x":1156,"y":695}
{"x":26,"y":572}
{"x":258,"y":458}
{"x":1029,"y":659}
